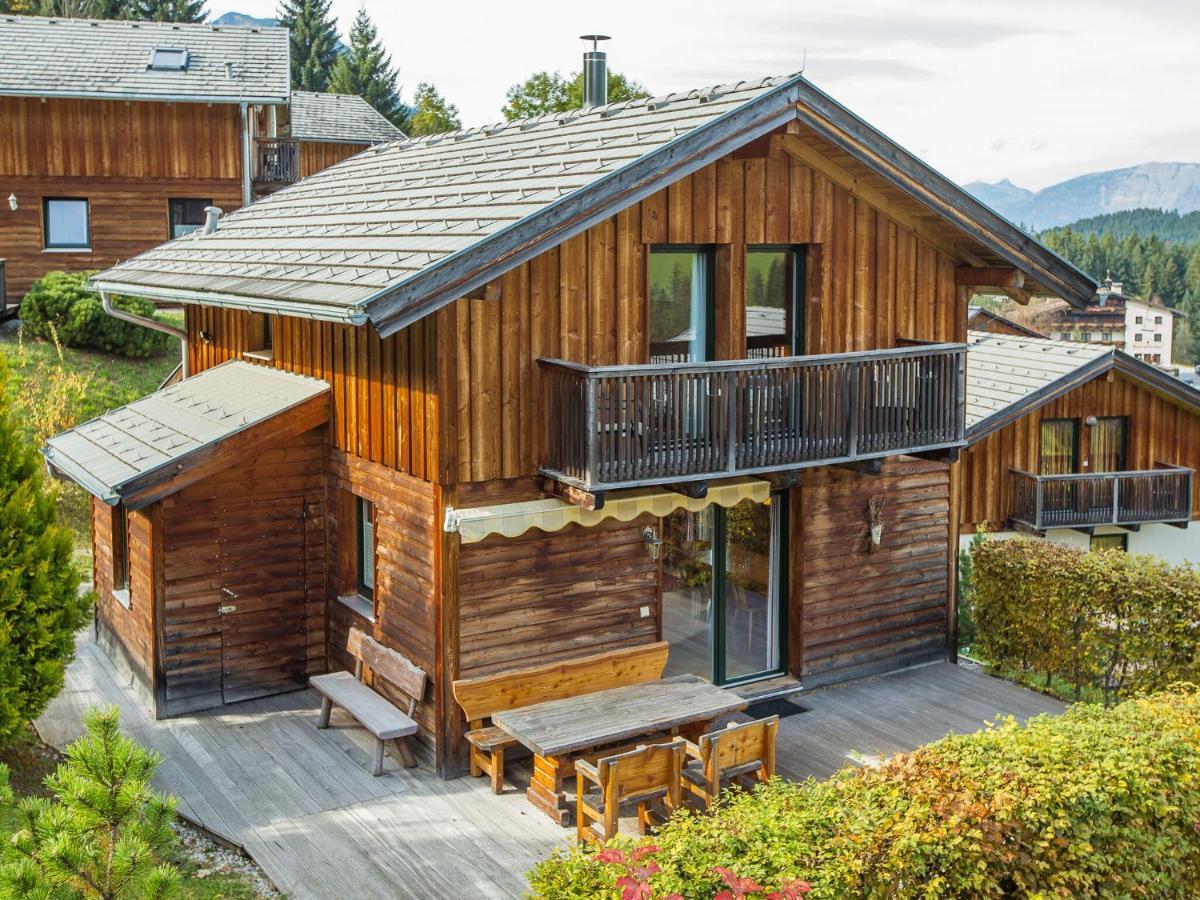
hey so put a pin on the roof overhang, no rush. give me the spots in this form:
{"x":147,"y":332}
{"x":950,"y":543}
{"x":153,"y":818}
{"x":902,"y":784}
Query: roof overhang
{"x":155,"y":98}
{"x":324,"y":312}
{"x":1152,"y":377}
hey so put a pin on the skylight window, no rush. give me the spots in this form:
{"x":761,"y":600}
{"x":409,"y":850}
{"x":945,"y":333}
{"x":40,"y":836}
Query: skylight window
{"x":168,"y":59}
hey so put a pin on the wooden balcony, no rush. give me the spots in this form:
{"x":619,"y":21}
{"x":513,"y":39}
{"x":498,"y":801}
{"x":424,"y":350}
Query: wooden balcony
{"x":1129,"y":499}
{"x":624,"y":426}
{"x":276,"y":162}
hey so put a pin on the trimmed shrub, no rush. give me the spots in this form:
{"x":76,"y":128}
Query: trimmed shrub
{"x":1096,"y":802}
{"x":64,"y":301}
{"x":1102,"y":620}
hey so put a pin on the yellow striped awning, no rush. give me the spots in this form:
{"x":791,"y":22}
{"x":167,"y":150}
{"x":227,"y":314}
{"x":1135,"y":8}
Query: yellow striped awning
{"x":514,"y":519}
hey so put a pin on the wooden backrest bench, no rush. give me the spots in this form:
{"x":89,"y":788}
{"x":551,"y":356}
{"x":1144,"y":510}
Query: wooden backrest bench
{"x":373,"y":711}
{"x":485,"y":695}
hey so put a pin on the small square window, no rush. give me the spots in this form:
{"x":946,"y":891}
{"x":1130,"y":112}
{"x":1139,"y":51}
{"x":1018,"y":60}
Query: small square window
{"x":1085,"y":335}
{"x":66,"y":223}
{"x":168,"y":59}
{"x":1137,"y":320}
{"x":1157,"y":338}
{"x":185,"y":215}
{"x":1158,"y":320}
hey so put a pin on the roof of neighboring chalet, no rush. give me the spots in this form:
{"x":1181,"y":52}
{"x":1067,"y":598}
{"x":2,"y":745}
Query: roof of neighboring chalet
{"x":125,"y":451}
{"x":395,"y":233}
{"x":1009,"y":377}
{"x":109,"y":59}
{"x":977,"y":314}
{"x":339,"y":118}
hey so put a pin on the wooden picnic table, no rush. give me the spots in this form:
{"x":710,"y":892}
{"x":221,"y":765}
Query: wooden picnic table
{"x":559,"y":731}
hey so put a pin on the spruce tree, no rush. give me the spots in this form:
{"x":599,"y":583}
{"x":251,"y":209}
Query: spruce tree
{"x":166,"y":10}
{"x":550,"y":92}
{"x":314,"y":42}
{"x":104,"y":832}
{"x":431,"y":113}
{"x":366,"y":69}
{"x":40,"y":605}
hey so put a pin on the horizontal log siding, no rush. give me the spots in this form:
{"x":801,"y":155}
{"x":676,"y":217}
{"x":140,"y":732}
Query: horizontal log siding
{"x":542,"y":597}
{"x":385,"y":403}
{"x":132,"y":629}
{"x":289,"y":475}
{"x":126,"y":215}
{"x":856,"y":613}
{"x":318,"y":155}
{"x":1158,"y":431}
{"x":406,"y":529}
{"x":872,"y":283}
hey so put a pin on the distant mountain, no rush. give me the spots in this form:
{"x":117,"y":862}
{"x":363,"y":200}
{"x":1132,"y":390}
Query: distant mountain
{"x":237,"y":18}
{"x":1168,"y":186}
{"x":1166,"y":225}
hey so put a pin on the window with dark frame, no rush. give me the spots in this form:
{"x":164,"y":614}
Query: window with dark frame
{"x":1059,"y":452}
{"x":1109,"y":437}
{"x":66,"y":224}
{"x":1110,"y":542}
{"x":185,"y":215}
{"x":168,"y":59}
{"x":260,"y":337}
{"x":365,"y":531}
{"x":120,"y":548}
{"x":681,"y":305}
{"x":774,"y":301}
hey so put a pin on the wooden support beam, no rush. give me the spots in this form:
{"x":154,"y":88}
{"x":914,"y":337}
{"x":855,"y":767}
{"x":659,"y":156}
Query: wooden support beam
{"x":995,"y":277}
{"x":574,"y":495}
{"x":1018,"y":295}
{"x":1183,"y":525}
{"x":782,"y":481}
{"x":1132,"y":527}
{"x":696,"y":490}
{"x":949,"y":455}
{"x":1089,"y":530}
{"x":862,"y":466}
{"x":1014,"y":525}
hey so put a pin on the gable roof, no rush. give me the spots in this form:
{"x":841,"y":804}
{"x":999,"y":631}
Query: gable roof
{"x":339,"y":118}
{"x":1009,"y":377}
{"x":977,"y":315}
{"x":393,"y":234}
{"x":104,"y":59}
{"x":127,"y":450}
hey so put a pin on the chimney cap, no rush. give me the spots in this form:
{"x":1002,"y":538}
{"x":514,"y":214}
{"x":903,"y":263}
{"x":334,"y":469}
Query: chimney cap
{"x":595,"y":39}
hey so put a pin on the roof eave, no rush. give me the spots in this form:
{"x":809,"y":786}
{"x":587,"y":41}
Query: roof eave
{"x":263,"y":100}
{"x":65,"y":469}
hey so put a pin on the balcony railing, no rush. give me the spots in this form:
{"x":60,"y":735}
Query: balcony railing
{"x":623,"y":426}
{"x":276,"y":160}
{"x":1040,"y":502}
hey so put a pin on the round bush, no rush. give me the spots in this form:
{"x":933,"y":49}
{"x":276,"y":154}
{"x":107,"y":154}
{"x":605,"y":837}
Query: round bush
{"x":1093,"y":803}
{"x":64,"y":301}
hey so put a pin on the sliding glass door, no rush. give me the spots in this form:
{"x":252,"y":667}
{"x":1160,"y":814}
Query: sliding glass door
{"x":724,"y":584}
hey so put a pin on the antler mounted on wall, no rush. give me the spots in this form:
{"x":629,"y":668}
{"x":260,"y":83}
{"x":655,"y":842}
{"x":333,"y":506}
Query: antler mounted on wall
{"x":875,"y":520}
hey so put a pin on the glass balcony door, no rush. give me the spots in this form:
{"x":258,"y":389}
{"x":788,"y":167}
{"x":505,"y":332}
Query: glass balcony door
{"x":724,"y":581}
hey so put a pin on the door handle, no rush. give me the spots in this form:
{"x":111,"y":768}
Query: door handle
{"x":226,"y":610}
{"x":228,"y":593}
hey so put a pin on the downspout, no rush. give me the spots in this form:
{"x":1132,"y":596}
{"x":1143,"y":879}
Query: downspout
{"x":153,"y":324}
{"x":247,"y":192}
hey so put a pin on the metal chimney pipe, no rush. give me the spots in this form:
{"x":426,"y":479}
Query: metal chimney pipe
{"x":595,"y":71}
{"x":211,"y":215}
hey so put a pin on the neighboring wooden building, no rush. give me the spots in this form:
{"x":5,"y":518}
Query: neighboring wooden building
{"x":1079,"y":443}
{"x":645,"y":371}
{"x":982,"y":319}
{"x":119,"y":134}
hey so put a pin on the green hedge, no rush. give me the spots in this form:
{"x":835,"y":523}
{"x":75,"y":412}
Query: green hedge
{"x":1096,"y":802}
{"x":1104,"y":620}
{"x":62,"y":302}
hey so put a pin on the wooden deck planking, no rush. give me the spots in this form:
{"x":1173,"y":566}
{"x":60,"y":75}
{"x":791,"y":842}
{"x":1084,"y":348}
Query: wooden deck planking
{"x":301,"y":802}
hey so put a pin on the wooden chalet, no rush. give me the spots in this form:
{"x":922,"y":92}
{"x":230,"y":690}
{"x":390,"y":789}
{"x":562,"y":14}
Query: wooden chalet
{"x":1080,"y":443}
{"x":982,"y":319}
{"x":688,"y":369}
{"x":119,"y":134}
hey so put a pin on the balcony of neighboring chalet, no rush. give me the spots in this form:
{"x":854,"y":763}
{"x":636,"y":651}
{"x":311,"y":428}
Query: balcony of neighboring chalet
{"x":275,"y":163}
{"x":621,"y":426}
{"x":1083,"y":502}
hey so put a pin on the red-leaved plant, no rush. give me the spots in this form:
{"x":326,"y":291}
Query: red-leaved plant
{"x":638,"y":866}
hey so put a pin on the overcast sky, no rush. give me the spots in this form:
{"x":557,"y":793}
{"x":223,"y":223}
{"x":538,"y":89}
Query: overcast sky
{"x":1032,"y":90}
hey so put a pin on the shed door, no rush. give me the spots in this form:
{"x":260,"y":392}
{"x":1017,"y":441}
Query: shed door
{"x":263,"y":616}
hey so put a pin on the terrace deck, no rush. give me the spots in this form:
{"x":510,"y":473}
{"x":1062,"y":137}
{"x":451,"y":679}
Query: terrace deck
{"x":302,"y":802}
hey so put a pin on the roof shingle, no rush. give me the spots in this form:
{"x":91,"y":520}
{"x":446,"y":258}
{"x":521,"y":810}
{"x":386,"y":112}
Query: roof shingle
{"x":339,"y":118}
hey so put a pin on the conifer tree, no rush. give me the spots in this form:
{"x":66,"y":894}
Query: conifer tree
{"x":314,"y":42}
{"x":366,"y":69}
{"x":165,"y":10}
{"x":550,"y":92}
{"x":431,"y":113}
{"x":40,"y":605}
{"x":104,"y":832}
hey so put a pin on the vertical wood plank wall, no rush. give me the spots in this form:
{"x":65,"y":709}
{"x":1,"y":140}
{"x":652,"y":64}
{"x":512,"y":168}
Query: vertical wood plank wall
{"x":127,"y":159}
{"x":853,"y":613}
{"x":128,"y":634}
{"x":872,"y":283}
{"x":1158,"y":431}
{"x":318,"y":155}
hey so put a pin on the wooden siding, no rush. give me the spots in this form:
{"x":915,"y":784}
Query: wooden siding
{"x":854,"y":613}
{"x":1158,"y":431}
{"x":542,"y":597}
{"x":126,"y":217}
{"x":272,"y":504}
{"x":318,"y":155}
{"x":128,"y":633}
{"x":406,"y":532}
{"x":871,"y":283}
{"x":385,"y":406}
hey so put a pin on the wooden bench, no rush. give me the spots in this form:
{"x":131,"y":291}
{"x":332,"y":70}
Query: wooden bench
{"x":371,"y":710}
{"x":481,"y":697}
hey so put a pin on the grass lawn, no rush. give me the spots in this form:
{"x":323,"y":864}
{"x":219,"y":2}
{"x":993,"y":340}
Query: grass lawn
{"x":30,"y":761}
